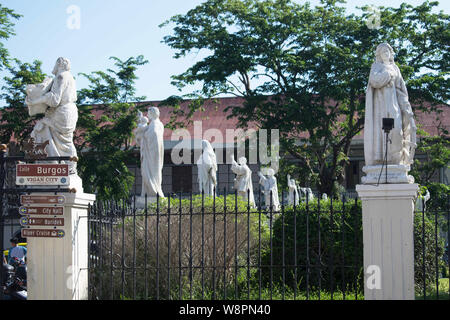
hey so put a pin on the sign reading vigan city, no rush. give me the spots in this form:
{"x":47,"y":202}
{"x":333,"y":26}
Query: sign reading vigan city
{"x":42,"y":174}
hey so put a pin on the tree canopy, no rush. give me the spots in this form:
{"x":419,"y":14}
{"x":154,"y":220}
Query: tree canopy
{"x":105,"y":128}
{"x":304,"y":69}
{"x":7,"y":17}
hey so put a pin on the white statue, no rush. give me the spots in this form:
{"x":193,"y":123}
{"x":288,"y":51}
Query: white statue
{"x":308,"y":194}
{"x":387,"y":97}
{"x":293,"y":192}
{"x":149,"y":137}
{"x":35,"y":91}
{"x":269,"y":184}
{"x":421,"y":201}
{"x":56,"y":98}
{"x":207,"y":169}
{"x":324,"y":196}
{"x":243,"y":181}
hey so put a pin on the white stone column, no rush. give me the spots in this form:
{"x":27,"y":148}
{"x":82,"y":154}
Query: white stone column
{"x":388,"y":218}
{"x":58,"y":267}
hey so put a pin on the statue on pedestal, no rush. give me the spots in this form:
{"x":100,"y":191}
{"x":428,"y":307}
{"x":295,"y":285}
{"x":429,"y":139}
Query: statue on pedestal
{"x":56,"y":99}
{"x":149,"y":137}
{"x":269,"y":184}
{"x":243,"y":181}
{"x":293,"y":192}
{"x":207,"y":169}
{"x":387,"y":97}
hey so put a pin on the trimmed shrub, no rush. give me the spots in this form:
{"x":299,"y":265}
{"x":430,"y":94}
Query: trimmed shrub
{"x":328,"y":245}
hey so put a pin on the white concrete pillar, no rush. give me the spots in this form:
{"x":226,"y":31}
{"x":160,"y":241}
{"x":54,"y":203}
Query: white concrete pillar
{"x":388,"y":219}
{"x":58,"y":267}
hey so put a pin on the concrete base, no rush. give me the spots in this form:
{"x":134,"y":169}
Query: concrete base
{"x":57,"y":267}
{"x":395,"y":174}
{"x":140,"y":201}
{"x":388,"y":217}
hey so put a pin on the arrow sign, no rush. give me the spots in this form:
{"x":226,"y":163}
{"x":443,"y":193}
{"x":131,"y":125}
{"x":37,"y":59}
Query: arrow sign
{"x":24,"y":221}
{"x":29,"y":221}
{"x":45,"y":211}
{"x":42,"y":233}
{"x":38,"y":199}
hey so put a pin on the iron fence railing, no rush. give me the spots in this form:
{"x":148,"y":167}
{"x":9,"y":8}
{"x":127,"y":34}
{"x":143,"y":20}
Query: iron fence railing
{"x":219,"y":247}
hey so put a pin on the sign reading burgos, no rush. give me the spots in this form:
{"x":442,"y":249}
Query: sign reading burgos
{"x":42,"y":174}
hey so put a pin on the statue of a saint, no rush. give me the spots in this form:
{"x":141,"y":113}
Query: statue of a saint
{"x":149,"y":137}
{"x":270,"y":187}
{"x":56,"y":98}
{"x":207,"y":169}
{"x":243,"y":181}
{"x":387,"y":97}
{"x":293,"y":192}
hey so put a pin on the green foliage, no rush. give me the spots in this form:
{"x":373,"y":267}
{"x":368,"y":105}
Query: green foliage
{"x":436,"y":150}
{"x":6,"y":31}
{"x":304,"y":69}
{"x":425,"y":242}
{"x":15,"y":119}
{"x":334,"y":239}
{"x":440,"y":197}
{"x":170,"y":240}
{"x":105,"y":129}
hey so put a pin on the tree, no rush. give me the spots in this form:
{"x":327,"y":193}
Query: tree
{"x":304,"y":70}
{"x":15,"y":119}
{"x":6,"y":31}
{"x":105,"y":128}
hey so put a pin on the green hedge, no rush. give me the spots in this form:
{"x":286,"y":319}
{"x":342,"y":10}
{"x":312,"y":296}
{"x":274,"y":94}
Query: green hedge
{"x":337,"y":227}
{"x":330,"y":264}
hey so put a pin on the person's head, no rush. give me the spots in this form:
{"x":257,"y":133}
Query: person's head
{"x":14,"y":241}
{"x":153,"y":113}
{"x":384,"y":53}
{"x":61,"y":65}
{"x":242,"y":161}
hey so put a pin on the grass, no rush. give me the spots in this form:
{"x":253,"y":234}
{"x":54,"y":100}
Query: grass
{"x":432,"y":292}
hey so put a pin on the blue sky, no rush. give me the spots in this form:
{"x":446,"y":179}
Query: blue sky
{"x":114,"y":28}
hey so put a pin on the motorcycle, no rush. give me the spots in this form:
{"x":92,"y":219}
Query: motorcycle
{"x":15,"y":280}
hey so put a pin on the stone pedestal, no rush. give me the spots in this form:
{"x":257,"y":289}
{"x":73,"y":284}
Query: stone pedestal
{"x":388,"y":217}
{"x":397,"y":173}
{"x":58,"y":267}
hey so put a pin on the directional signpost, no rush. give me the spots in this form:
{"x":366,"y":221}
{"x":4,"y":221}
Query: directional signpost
{"x":42,"y":205}
{"x":42,"y":233}
{"x":41,"y":200}
{"x":27,"y":221}
{"x":42,"y":174}
{"x":47,"y":211}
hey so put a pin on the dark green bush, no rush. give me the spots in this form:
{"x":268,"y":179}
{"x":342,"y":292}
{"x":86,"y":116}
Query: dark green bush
{"x":331,"y":265}
{"x":425,"y":271}
{"x":338,"y":227}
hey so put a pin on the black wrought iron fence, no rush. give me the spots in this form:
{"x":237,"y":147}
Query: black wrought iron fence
{"x":219,"y":247}
{"x":431,"y":239}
